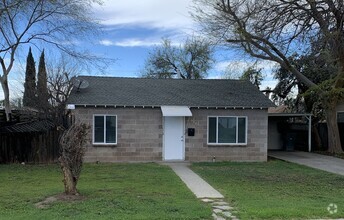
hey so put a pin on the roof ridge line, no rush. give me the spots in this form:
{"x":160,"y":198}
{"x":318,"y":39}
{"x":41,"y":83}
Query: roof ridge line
{"x":124,"y":77}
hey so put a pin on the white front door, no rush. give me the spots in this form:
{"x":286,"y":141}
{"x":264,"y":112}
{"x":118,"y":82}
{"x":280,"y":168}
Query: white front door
{"x":173,"y":138}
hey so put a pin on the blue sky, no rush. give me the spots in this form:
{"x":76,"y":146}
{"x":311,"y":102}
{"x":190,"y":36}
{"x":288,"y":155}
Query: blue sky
{"x":132,"y":29}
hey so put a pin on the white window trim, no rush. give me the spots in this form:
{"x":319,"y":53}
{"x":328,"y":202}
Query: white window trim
{"x":217,"y":130}
{"x":93,"y":133}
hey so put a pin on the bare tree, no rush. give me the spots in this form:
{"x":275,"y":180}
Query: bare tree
{"x":191,"y":60}
{"x":274,"y":30}
{"x":59,"y":23}
{"x":72,"y":145}
{"x":61,"y":72}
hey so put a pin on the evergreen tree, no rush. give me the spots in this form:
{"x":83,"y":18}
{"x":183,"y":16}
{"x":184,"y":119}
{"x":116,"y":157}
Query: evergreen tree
{"x":29,"y":98}
{"x":42,"y":90}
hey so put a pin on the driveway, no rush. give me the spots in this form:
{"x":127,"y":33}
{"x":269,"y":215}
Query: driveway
{"x":318,"y":161}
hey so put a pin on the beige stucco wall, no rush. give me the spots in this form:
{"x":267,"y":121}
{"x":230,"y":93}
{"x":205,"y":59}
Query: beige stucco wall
{"x":140,"y":136}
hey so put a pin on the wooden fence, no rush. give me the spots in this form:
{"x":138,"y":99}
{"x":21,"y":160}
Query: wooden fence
{"x":28,"y":137}
{"x":33,"y":147}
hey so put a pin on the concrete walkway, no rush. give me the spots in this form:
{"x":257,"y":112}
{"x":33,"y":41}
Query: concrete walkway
{"x":318,"y":161}
{"x":221,"y":209}
{"x":194,"y":182}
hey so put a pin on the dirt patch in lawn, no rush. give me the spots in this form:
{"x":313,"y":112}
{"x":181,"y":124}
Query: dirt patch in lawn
{"x":59,"y":197}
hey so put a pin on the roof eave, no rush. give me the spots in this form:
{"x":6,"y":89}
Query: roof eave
{"x":158,"y":106}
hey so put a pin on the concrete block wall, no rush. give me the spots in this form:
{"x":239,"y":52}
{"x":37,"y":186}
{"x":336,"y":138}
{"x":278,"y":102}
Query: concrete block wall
{"x":197,"y":149}
{"x":139,"y":135}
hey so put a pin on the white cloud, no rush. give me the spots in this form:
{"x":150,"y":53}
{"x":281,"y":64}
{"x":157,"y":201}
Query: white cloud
{"x":234,"y":69}
{"x":137,"y":42}
{"x":153,"y":19}
{"x":159,"y":14}
{"x":244,"y":64}
{"x":106,"y":43}
{"x":268,"y":83}
{"x":239,"y":66}
{"x":132,"y":42}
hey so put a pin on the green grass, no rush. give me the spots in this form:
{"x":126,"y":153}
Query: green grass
{"x":339,"y":155}
{"x":112,"y":191}
{"x":276,"y":189}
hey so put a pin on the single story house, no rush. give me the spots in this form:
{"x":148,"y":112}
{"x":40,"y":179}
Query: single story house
{"x":141,"y":119}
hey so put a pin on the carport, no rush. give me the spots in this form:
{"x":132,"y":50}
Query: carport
{"x":283,"y":127}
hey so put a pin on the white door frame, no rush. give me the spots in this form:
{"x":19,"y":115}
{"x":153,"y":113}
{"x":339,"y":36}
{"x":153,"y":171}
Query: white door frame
{"x":182,"y":142}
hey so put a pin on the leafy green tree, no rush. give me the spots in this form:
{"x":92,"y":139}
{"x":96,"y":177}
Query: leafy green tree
{"x":191,"y":60}
{"x":275,"y":30}
{"x":254,"y":75}
{"x":313,"y":66}
{"x":29,"y":97}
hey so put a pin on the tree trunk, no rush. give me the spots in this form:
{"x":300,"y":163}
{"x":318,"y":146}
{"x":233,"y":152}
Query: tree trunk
{"x":334,"y":145}
{"x":317,"y":140}
{"x":4,"y":85}
{"x":68,"y":179}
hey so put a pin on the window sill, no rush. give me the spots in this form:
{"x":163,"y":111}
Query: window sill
{"x":227,"y":145}
{"x":104,"y":145}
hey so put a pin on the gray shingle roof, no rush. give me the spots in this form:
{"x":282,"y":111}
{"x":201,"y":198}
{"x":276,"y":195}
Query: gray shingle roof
{"x":157,"y":92}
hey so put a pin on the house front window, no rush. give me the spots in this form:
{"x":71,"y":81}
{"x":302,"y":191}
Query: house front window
{"x":227,"y":130}
{"x":105,"y":129}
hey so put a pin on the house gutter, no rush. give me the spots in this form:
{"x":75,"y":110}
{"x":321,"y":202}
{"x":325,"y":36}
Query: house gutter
{"x":73,"y":106}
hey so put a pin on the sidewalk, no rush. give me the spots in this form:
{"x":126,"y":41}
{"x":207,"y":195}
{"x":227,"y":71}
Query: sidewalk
{"x":318,"y":161}
{"x":194,"y":182}
{"x":221,"y":209}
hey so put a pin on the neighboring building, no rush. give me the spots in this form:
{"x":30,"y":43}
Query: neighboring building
{"x":340,"y":112}
{"x":139,"y":119}
{"x":293,"y":131}
{"x":340,"y":120}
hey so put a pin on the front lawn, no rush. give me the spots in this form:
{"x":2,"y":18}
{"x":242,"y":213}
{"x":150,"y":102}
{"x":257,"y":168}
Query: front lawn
{"x":112,"y":191}
{"x":276,"y":189}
